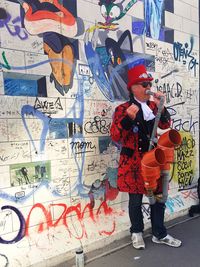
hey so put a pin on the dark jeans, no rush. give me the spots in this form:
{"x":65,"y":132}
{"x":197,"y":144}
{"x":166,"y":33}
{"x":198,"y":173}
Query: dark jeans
{"x":136,"y":216}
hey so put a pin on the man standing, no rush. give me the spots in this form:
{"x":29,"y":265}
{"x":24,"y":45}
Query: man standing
{"x":132,"y":127}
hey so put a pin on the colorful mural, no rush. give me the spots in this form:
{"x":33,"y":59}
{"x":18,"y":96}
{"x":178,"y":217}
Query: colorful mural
{"x":63,"y":70}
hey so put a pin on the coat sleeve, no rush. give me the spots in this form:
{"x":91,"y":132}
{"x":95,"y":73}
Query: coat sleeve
{"x":165,"y":120}
{"x":121,"y":125}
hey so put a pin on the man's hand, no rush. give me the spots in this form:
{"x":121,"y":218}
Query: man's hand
{"x":156,"y":98}
{"x":132,"y":111}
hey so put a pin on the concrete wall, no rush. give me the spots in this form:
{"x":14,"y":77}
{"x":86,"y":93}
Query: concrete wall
{"x":63,"y":71}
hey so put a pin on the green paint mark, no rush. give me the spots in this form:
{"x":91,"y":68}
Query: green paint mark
{"x":129,"y":5}
{"x":7,"y":66}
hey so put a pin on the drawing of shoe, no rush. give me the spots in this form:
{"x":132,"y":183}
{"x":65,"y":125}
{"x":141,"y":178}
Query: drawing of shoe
{"x":58,"y":86}
{"x":66,"y":88}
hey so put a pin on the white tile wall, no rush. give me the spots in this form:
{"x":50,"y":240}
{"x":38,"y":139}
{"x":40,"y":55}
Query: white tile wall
{"x":190,"y":27}
{"x":194,"y":3}
{"x":194,"y":14}
{"x":89,"y":12}
{"x":10,"y":106}
{"x":182,"y":9}
{"x":15,"y":59}
{"x":36,"y":64}
{"x":173,"y":21}
{"x":11,"y":153}
{"x":4,"y":176}
{"x":137,"y":10}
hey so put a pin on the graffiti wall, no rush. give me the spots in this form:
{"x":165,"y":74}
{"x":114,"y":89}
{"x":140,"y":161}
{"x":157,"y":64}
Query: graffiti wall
{"x":63,"y":71}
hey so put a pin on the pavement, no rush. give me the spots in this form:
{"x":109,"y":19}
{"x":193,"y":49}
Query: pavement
{"x":157,"y":255}
{"x":122,"y":254}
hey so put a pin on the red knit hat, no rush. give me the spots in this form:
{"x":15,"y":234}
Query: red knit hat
{"x":138,"y":74}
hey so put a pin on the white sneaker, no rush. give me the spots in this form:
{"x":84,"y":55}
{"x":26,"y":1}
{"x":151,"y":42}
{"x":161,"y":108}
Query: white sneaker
{"x":137,"y":241}
{"x":167,"y":240}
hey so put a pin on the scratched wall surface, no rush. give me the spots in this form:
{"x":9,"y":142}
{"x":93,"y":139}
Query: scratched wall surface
{"x":63,"y":71}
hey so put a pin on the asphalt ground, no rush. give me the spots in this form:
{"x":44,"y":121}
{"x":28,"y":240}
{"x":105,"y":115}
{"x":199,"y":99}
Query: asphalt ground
{"x":122,"y":254}
{"x":157,"y":255}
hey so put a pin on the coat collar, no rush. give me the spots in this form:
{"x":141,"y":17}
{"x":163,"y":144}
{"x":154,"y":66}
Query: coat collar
{"x":133,"y":101}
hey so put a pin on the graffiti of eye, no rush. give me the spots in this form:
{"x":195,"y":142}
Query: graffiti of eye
{"x":103,"y":11}
{"x":114,"y":12}
{"x":119,"y":61}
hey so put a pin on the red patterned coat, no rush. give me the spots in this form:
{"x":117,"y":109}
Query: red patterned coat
{"x":133,"y":136}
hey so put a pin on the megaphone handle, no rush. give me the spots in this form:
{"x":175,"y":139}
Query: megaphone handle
{"x":155,"y":126}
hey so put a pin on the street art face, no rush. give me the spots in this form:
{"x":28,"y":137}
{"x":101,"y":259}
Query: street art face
{"x":108,"y":63}
{"x":110,"y":13}
{"x":113,"y":12}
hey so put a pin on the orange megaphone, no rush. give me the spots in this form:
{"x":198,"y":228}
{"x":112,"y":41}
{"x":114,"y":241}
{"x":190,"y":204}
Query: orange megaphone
{"x":150,"y":167}
{"x":167,"y":142}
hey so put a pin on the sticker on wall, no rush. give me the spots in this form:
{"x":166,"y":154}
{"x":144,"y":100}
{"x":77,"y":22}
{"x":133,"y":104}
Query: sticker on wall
{"x":29,"y":173}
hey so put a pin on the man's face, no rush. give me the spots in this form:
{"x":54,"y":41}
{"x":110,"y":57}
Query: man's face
{"x":139,"y":91}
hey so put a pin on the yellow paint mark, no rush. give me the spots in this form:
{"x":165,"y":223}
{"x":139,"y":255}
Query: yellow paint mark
{"x":185,"y":161}
{"x":105,"y":27}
